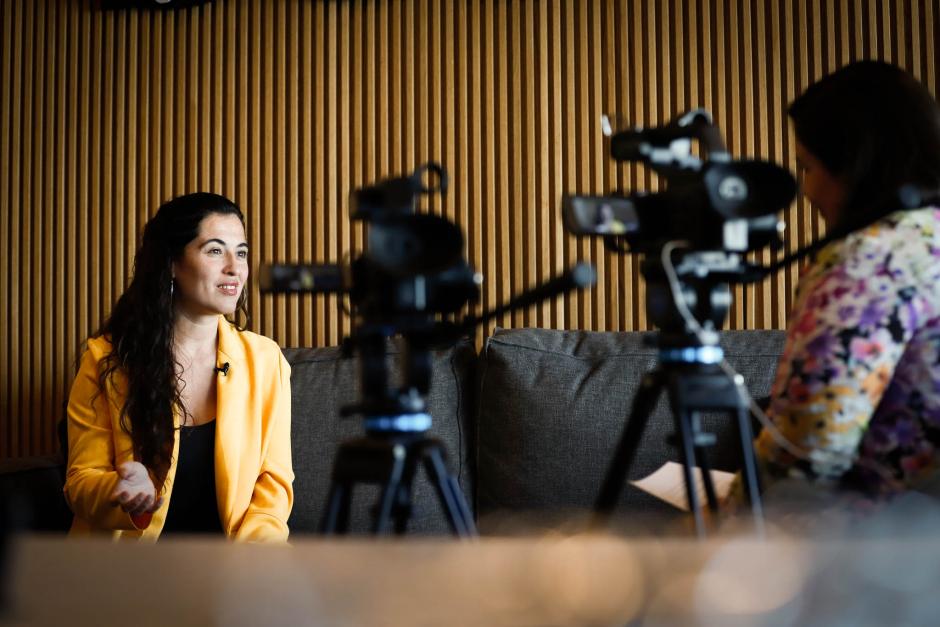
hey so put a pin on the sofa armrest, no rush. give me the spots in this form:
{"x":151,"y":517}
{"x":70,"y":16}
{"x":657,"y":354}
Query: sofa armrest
{"x":31,"y":494}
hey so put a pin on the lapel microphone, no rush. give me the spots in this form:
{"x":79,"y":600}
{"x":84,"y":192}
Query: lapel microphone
{"x":223,"y":369}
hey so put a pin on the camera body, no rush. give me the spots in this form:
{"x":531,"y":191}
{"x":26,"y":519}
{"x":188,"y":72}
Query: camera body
{"x":711,"y":213}
{"x":713,"y":204}
{"x":413,"y":264}
{"x":411,"y":276}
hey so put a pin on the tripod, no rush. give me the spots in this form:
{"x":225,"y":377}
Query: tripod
{"x":689,"y":370}
{"x":396,"y":441}
{"x":390,"y":460}
{"x":412,"y":280}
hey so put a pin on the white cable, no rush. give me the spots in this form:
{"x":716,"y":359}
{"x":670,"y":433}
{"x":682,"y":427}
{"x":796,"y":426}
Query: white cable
{"x":693,"y":324}
{"x":793,"y":449}
{"x":676,"y":289}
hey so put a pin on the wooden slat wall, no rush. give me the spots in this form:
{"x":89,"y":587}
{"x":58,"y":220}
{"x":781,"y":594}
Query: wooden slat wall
{"x":285,"y":105}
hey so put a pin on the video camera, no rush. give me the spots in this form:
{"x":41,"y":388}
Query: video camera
{"x":711,"y":213}
{"x":413,"y":263}
{"x":412,"y":280}
{"x":715,"y":204}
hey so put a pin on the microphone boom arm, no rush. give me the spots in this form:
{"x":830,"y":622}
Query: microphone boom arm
{"x":582,"y":275}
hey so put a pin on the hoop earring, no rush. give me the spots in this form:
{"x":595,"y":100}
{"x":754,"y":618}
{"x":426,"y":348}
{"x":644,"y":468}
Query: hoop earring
{"x":171,"y":288}
{"x":242,"y":307}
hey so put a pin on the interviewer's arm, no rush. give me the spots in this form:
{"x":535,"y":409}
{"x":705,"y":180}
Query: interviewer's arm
{"x":843,"y":344}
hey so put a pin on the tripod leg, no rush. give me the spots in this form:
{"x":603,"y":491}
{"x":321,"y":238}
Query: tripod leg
{"x":401,"y":512}
{"x":626,"y":449}
{"x":390,"y":491}
{"x":750,"y":478}
{"x":687,"y":452}
{"x":402,"y":508}
{"x":454,"y":484}
{"x":711,"y":497}
{"x":448,"y":490}
{"x":336,"y":517}
{"x":701,"y":456}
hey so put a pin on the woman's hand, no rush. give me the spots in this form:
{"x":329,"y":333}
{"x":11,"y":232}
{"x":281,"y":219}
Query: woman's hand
{"x":135,"y":492}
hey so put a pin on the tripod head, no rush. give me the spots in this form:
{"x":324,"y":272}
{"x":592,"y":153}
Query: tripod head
{"x":412,"y":282}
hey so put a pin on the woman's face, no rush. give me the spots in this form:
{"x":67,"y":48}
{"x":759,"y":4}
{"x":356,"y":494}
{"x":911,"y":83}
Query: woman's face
{"x":210,"y":274}
{"x":824,"y":190}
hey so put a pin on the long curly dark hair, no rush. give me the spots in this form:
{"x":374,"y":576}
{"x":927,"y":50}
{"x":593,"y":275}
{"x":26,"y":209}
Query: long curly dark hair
{"x":140,"y":328}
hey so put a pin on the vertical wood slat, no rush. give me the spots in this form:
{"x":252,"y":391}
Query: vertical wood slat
{"x":7,"y":301}
{"x":287,"y":105}
{"x":6,"y":159}
{"x":43,"y":240}
{"x":29,"y":224}
{"x":18,"y":298}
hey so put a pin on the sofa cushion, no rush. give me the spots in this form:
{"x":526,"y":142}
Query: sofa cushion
{"x":553,"y":405}
{"x":322,"y":382}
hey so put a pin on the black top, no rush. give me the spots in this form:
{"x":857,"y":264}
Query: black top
{"x":193,"y":504}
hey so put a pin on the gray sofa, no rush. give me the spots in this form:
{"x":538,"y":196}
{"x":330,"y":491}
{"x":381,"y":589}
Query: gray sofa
{"x":530,"y":425}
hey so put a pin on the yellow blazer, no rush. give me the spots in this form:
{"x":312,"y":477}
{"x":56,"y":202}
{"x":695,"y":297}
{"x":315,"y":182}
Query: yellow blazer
{"x":253,"y":472}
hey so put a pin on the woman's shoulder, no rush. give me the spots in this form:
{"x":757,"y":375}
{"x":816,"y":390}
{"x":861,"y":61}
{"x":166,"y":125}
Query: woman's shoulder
{"x":903,"y":226}
{"x":254,"y":344}
{"x":900,"y":252}
{"x":924,"y":221}
{"x":93,"y":354}
{"x":98,"y":347}
{"x":910,"y":236}
{"x":259,"y":342}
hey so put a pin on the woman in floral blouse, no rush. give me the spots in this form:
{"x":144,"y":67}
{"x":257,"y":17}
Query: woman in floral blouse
{"x":857,"y":391}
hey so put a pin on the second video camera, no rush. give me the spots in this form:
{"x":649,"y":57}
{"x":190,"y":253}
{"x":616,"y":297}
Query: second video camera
{"x":713,"y":204}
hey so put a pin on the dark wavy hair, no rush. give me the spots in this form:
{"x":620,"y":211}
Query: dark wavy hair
{"x":140,"y":328}
{"x":877,"y":129}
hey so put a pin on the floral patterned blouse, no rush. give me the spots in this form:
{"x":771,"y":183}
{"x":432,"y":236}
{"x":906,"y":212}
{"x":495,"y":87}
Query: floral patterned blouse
{"x":858,"y":385}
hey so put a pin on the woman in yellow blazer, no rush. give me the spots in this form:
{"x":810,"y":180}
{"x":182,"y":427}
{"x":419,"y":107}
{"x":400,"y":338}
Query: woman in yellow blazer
{"x":179,"y":420}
